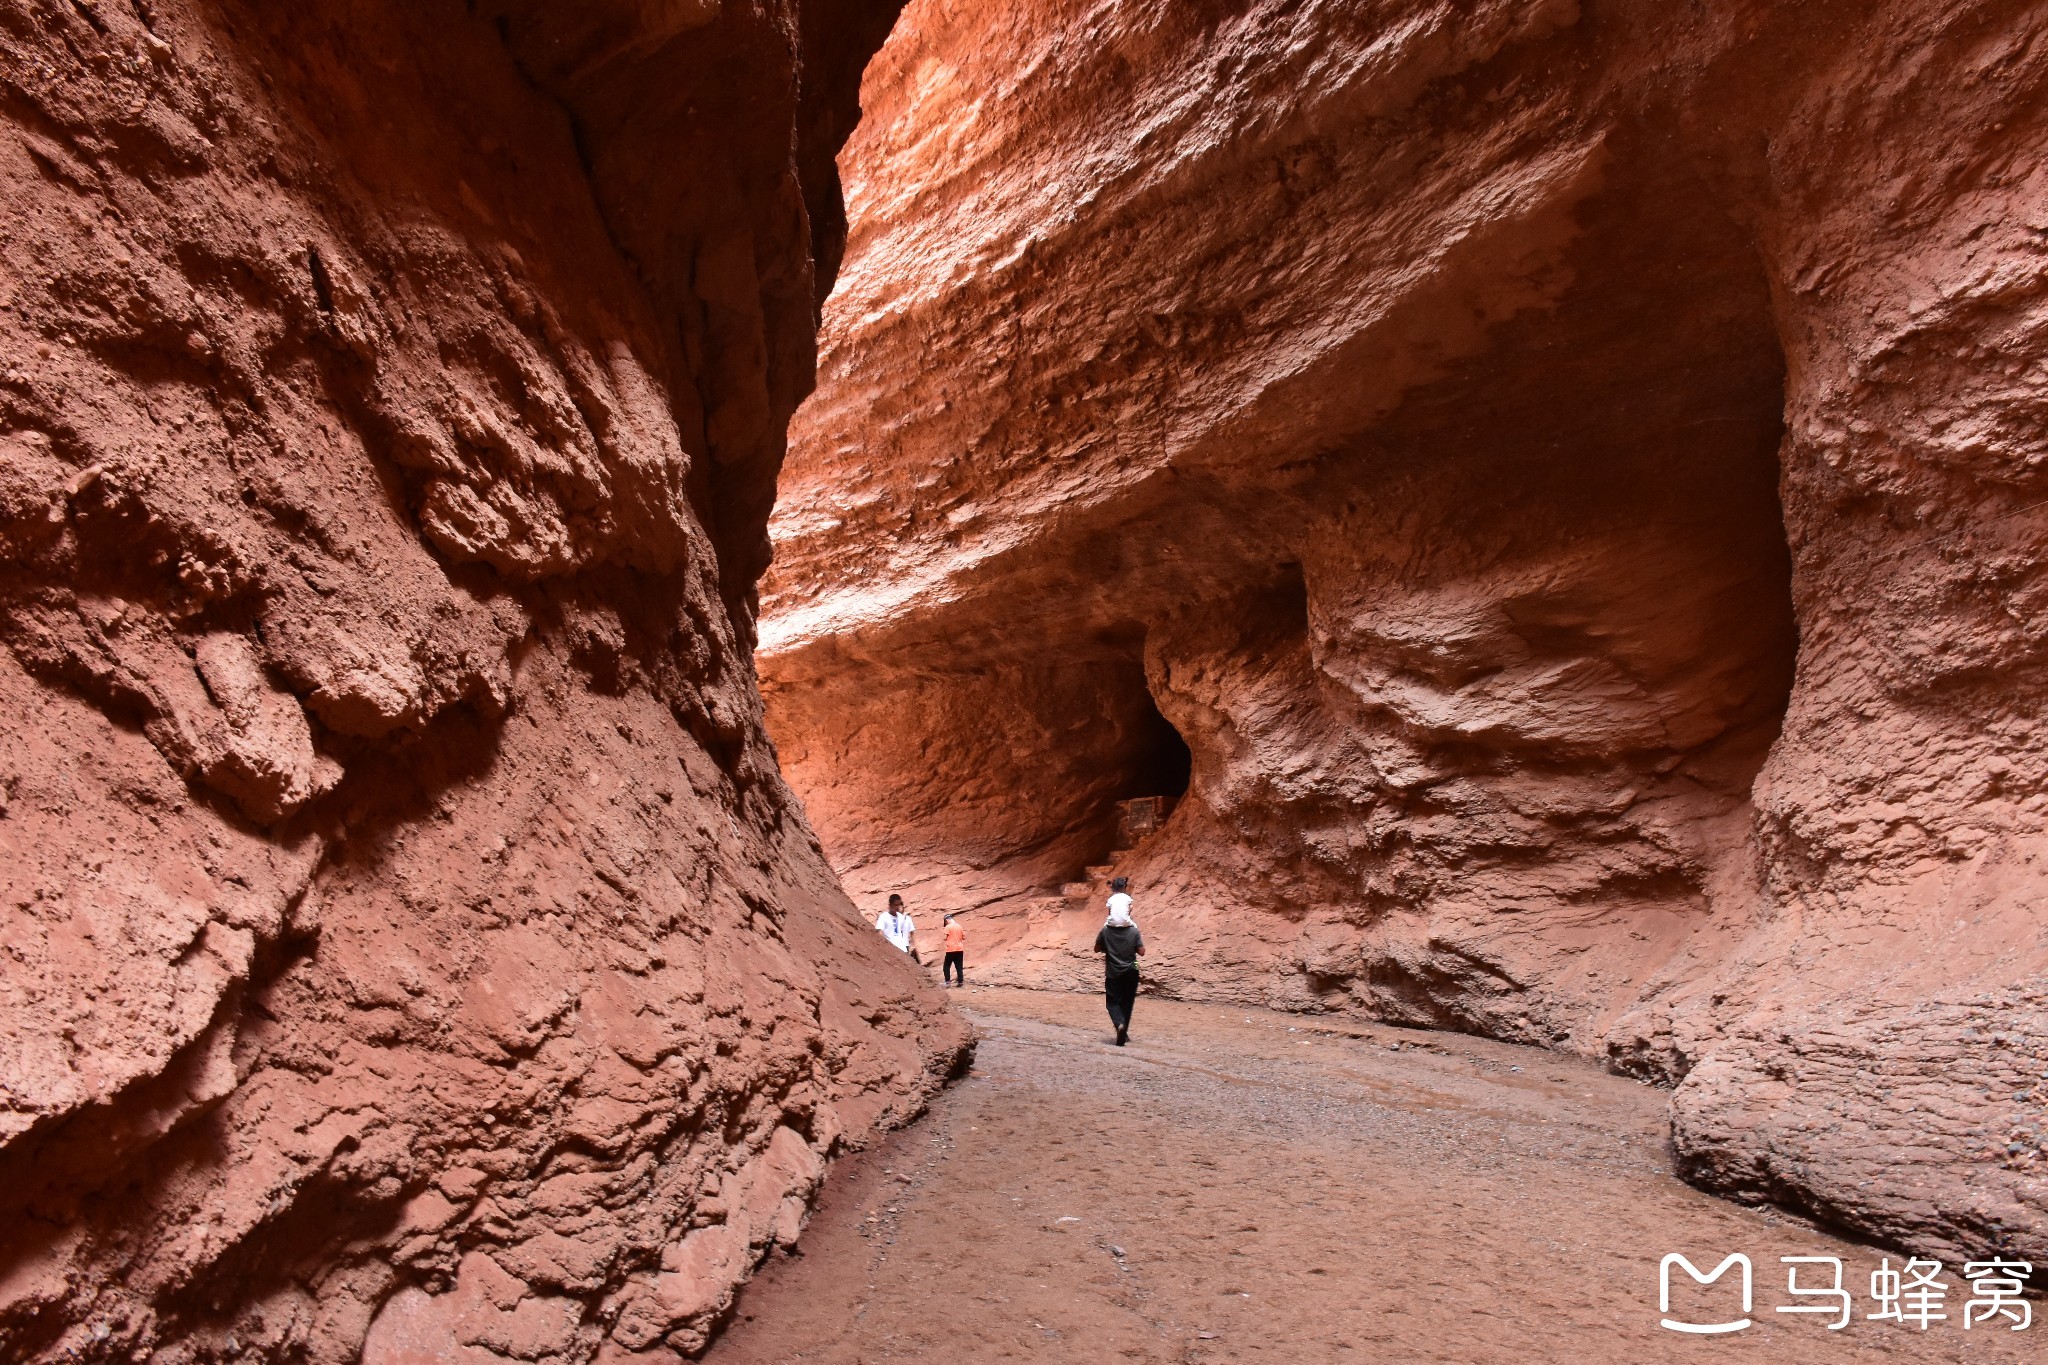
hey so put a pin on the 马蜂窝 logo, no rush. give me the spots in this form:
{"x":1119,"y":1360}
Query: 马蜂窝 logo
{"x":1702,"y":1328}
{"x":1914,"y":1296}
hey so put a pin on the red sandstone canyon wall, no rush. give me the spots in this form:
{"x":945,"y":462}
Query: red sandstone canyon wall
{"x":1558,"y":484}
{"x":410,"y":950}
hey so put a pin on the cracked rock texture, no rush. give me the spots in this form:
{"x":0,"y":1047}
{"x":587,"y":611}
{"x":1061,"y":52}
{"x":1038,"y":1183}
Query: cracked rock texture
{"x":409,"y":950}
{"x":1559,"y":484}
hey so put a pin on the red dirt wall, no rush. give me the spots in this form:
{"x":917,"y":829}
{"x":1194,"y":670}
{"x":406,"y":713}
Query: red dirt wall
{"x":410,"y":948}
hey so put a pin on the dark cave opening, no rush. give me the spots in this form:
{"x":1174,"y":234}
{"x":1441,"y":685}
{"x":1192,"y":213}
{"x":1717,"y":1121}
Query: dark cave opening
{"x":1161,"y":763}
{"x":1145,"y":770}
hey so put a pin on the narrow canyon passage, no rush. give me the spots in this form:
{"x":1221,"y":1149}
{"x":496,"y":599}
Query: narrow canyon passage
{"x":1551,"y":498}
{"x":523,"y":524}
{"x":1252,"y":1186}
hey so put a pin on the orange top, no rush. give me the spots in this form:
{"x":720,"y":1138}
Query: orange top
{"x":956,"y":939}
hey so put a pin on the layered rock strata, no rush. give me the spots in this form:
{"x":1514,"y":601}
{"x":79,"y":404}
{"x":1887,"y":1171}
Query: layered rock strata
{"x":410,"y":950}
{"x":1569,"y":474}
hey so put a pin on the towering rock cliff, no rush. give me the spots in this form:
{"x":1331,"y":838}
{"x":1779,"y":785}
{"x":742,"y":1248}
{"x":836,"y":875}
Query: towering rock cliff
{"x":1560,"y":485}
{"x":409,"y":950}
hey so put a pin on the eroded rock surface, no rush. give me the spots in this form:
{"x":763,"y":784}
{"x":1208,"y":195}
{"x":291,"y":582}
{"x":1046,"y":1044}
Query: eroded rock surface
{"x":1570,"y":475}
{"x":410,"y":950}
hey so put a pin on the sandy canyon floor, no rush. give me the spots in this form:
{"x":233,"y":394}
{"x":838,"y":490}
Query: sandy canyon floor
{"x":1263,"y":1187}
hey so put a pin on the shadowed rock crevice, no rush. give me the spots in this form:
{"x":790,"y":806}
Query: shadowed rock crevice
{"x":1162,"y":763}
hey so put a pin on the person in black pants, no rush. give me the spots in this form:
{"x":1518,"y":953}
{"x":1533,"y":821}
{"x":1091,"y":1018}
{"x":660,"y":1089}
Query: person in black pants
{"x":1121,"y":945}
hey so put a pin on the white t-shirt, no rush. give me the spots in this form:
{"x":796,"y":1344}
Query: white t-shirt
{"x":1120,"y":904}
{"x":897,"y":928}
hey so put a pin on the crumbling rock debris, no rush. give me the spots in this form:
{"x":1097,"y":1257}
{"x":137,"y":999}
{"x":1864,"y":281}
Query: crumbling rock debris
{"x":410,"y":949}
{"x":1561,"y":487}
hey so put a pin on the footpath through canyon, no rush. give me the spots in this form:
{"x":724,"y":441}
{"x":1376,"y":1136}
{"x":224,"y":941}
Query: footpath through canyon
{"x":1247,"y":1185}
{"x":1515,"y":519}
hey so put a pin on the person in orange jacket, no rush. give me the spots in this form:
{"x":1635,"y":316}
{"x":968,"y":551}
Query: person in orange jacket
{"x":956,"y":953}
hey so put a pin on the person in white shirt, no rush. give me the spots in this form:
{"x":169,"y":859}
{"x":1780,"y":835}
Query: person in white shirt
{"x":1119,"y":899}
{"x":897,"y":927}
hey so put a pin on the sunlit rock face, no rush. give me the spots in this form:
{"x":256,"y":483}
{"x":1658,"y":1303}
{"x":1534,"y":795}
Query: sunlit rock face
{"x":409,"y":949}
{"x":1568,"y":474}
